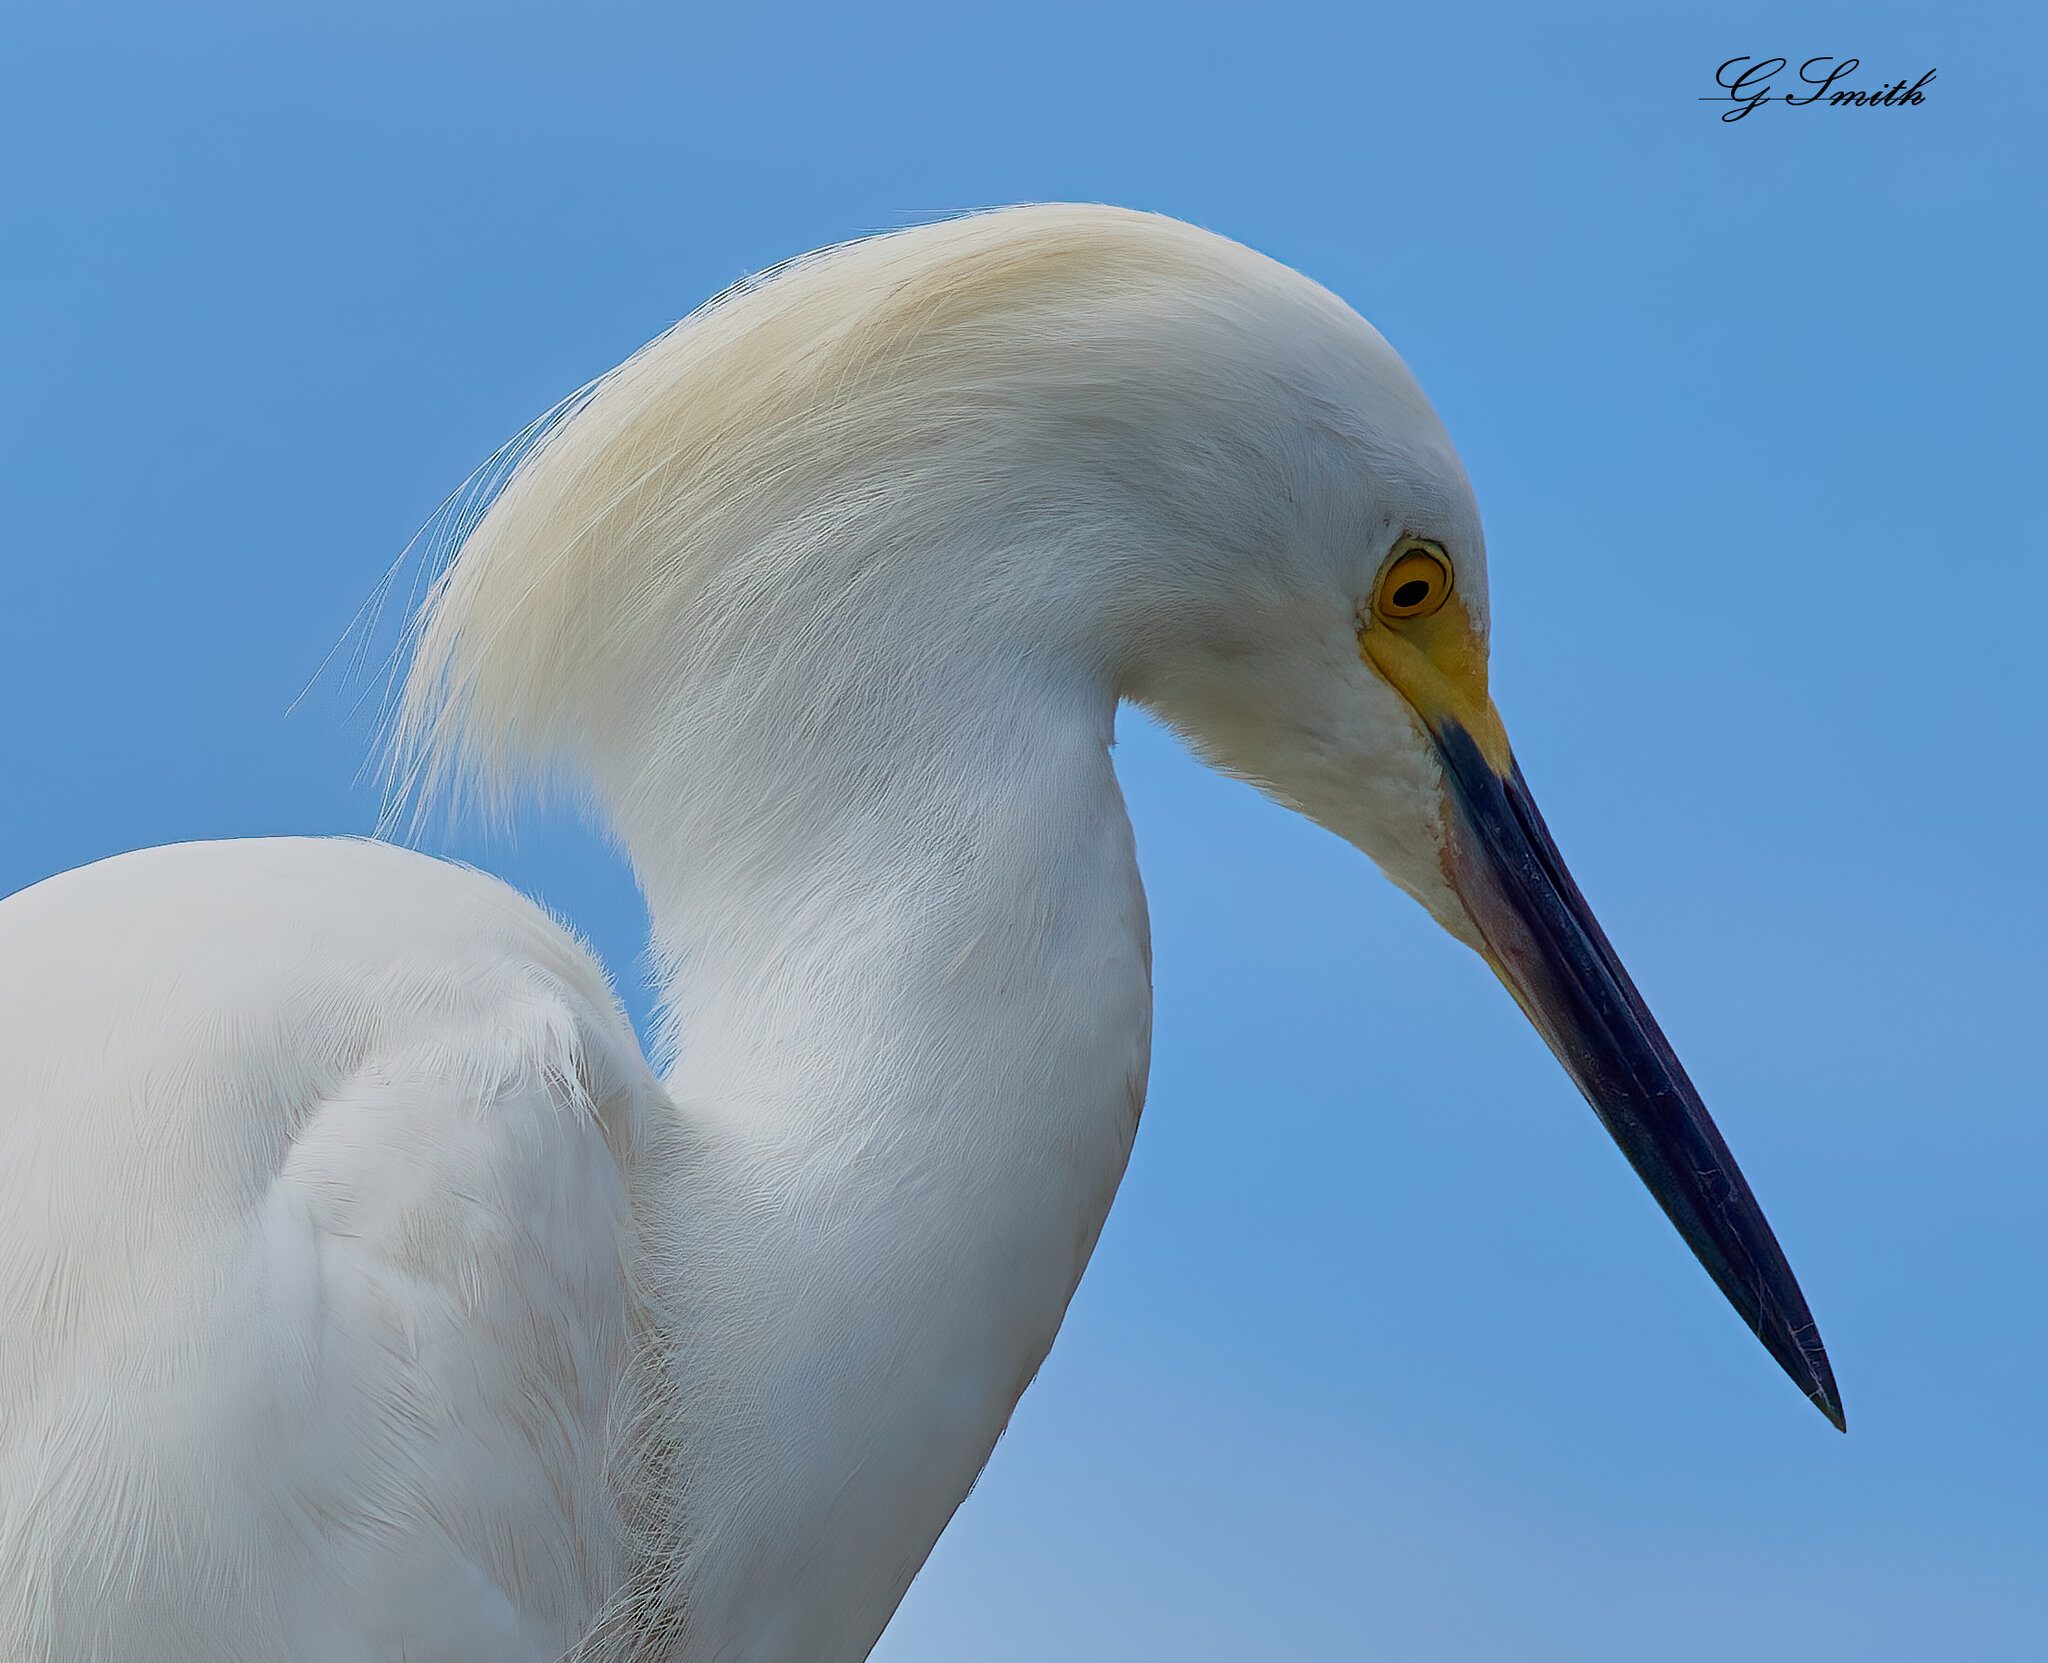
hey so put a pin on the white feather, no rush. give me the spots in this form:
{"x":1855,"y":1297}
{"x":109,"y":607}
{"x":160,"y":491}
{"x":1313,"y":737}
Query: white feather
{"x":365,"y":1296}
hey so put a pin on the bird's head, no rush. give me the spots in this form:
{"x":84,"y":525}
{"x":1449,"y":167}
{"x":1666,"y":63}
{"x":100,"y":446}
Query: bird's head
{"x":1317,"y":623}
{"x":1112,"y":441}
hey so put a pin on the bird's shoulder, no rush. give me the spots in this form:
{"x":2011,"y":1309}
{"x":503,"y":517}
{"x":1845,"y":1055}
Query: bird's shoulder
{"x":314,"y":1257}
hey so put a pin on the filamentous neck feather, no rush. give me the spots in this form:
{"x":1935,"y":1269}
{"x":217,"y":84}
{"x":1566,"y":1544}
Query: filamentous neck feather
{"x":1097,"y":439}
{"x":827,"y":597}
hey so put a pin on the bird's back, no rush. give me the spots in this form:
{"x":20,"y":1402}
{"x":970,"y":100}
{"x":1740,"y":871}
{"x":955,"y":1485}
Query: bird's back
{"x":314,"y":1261}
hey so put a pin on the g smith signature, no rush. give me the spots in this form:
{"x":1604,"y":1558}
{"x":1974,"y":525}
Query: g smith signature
{"x":1748,"y":83}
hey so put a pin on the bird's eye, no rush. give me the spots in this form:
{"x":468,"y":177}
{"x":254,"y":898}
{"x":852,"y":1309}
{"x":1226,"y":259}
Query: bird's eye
{"x":1418,"y":581}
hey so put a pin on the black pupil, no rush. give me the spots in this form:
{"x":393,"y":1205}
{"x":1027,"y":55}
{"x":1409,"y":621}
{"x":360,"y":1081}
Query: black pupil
{"x":1412,"y":593}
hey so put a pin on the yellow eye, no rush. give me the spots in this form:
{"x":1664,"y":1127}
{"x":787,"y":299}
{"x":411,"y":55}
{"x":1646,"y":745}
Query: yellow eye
{"x":1418,"y":581}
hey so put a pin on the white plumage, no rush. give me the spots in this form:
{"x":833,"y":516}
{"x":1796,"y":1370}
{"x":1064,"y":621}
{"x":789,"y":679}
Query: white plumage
{"x":316,"y":1260}
{"x":366,"y":1297}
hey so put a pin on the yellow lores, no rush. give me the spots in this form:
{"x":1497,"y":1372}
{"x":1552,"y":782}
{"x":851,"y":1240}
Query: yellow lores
{"x":1417,"y":632}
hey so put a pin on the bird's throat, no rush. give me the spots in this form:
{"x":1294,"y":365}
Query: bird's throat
{"x":911,"y":1021}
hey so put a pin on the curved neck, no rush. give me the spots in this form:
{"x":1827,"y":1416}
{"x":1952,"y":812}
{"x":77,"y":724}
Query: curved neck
{"x":907,"y":991}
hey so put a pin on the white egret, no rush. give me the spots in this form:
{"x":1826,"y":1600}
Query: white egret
{"x":366,"y":1296}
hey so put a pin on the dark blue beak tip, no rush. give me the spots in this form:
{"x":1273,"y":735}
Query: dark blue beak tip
{"x":1553,"y":955}
{"x":1827,"y":1397}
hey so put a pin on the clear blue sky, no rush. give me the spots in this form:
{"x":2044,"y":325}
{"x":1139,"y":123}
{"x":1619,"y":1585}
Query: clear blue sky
{"x":1384,"y":1352}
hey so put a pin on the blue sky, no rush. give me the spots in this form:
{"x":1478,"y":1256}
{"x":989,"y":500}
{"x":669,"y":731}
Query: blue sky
{"x":1384,"y":1351}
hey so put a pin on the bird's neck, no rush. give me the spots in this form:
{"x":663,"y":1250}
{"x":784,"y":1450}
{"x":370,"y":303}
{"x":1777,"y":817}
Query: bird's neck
{"x":908,"y":996}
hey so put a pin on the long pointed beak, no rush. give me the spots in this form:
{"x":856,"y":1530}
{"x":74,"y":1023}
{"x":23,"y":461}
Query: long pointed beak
{"x":1546,"y":946}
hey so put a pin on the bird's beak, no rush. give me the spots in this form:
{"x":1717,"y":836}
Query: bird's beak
{"x":1545,"y":945}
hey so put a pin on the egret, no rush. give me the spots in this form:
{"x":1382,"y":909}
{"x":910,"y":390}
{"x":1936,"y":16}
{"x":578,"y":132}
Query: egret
{"x":367,"y":1295}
